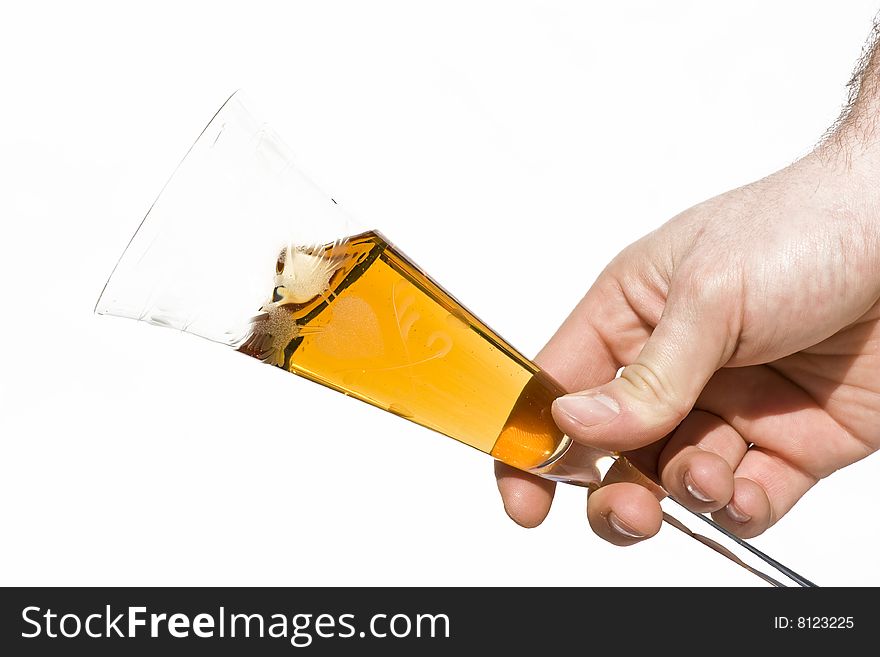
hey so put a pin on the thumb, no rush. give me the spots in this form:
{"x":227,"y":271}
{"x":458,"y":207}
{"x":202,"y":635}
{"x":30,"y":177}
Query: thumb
{"x":653,"y":394}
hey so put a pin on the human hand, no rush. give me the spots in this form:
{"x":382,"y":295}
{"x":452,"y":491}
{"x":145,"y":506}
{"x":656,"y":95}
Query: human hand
{"x":749,"y":328}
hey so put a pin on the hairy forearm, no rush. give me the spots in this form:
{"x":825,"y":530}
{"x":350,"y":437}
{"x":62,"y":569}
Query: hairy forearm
{"x":857,"y":130}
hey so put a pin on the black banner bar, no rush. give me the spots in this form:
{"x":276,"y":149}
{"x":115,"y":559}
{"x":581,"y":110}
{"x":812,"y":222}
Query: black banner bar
{"x":334,"y":621}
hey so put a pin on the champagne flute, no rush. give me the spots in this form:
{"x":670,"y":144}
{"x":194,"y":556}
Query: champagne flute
{"x":293,"y":282}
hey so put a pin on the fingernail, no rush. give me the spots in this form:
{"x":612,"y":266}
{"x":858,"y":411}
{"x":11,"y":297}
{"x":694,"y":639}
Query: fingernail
{"x":736,"y":514}
{"x":621,"y":527}
{"x":695,"y":490}
{"x":589,"y":410}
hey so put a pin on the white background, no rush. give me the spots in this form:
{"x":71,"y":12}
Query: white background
{"x":511,"y":148}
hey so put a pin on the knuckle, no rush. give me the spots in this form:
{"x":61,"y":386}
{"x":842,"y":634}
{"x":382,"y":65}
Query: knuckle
{"x":650,"y":386}
{"x":709,"y":279}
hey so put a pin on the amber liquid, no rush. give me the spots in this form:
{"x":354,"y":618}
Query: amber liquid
{"x":379,"y":329}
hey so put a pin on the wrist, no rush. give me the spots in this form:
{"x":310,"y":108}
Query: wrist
{"x":853,"y":147}
{"x":841,"y":176}
{"x":847,"y":164}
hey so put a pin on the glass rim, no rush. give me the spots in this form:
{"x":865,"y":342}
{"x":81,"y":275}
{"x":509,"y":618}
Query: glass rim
{"x":97,"y":309}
